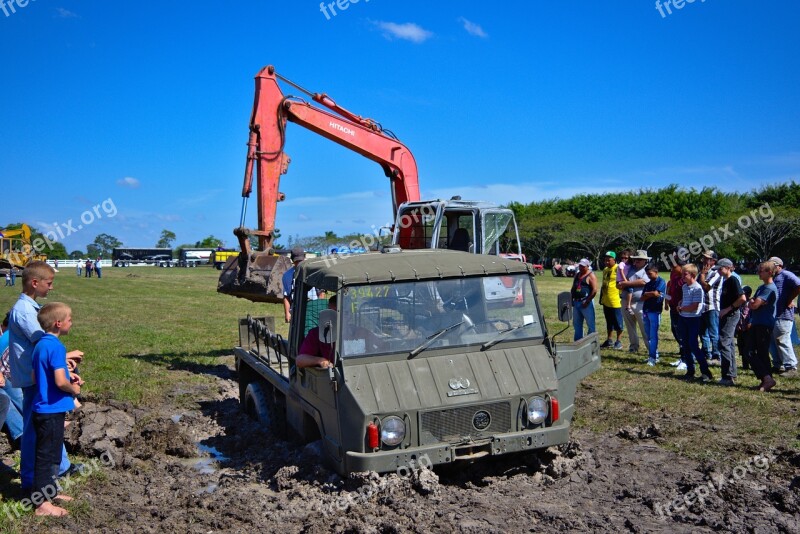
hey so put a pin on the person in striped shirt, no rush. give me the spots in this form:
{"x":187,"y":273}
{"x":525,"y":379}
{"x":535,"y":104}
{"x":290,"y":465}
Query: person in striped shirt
{"x":691,"y":308}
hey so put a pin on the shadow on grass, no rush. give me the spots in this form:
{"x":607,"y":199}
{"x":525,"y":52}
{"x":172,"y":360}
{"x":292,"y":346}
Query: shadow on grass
{"x":188,"y":362}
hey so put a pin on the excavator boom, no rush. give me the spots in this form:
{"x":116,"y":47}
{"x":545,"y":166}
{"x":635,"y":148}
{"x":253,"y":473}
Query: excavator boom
{"x":257,"y":275}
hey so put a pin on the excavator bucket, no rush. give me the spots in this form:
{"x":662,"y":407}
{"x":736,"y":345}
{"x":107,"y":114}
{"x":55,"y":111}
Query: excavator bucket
{"x":257,"y":277}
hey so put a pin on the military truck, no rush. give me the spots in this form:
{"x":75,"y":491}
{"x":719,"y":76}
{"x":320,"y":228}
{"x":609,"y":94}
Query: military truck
{"x":433,"y":352}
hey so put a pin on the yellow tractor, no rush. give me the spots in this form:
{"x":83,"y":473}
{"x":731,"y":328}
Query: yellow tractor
{"x":16,"y":249}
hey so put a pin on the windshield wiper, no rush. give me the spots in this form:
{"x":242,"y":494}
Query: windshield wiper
{"x":503,"y":334}
{"x":430,"y":340}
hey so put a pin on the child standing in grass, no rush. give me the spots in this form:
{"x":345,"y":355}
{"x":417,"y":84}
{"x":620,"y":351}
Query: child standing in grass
{"x":691,"y":309}
{"x":55,"y":391}
{"x":653,"y":297}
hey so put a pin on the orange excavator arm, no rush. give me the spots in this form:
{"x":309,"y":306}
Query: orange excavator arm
{"x":257,"y":276}
{"x":272,"y":109}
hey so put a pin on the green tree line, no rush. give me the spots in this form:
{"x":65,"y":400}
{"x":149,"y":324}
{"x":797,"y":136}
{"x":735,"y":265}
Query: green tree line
{"x":752,"y":225}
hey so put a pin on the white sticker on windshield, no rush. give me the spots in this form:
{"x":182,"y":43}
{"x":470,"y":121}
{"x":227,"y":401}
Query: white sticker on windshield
{"x":527,"y":319}
{"x":355,"y":346}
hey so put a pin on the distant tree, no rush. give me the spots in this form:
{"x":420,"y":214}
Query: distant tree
{"x":210,"y":242}
{"x":103,"y":245}
{"x":642,"y":234}
{"x":76,"y":255}
{"x":331,"y":237}
{"x":166,"y":239}
{"x":592,"y":240}
{"x":762,"y":237}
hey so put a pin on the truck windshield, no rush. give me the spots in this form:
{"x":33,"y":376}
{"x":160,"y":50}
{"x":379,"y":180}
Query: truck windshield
{"x":403,"y":316}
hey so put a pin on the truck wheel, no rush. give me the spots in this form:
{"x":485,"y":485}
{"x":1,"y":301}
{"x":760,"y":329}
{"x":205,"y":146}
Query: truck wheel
{"x":256,"y":404}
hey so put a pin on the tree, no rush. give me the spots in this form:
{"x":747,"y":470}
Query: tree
{"x":762,"y":236}
{"x":539,"y":234}
{"x":593,"y":239}
{"x":210,"y":242}
{"x":76,"y":255}
{"x":643,"y":234}
{"x":103,"y":245}
{"x":166,"y":239}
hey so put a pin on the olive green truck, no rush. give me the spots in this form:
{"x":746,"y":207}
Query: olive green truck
{"x":434,"y":353}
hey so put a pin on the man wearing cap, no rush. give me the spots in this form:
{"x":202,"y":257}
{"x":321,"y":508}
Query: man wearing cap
{"x":636,"y":281}
{"x":584,"y":288}
{"x":711,"y":282}
{"x":609,"y":298}
{"x":731,"y":299}
{"x":297,"y":255}
{"x":784,"y":359}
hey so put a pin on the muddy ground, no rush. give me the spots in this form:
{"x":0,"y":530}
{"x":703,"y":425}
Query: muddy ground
{"x":199,"y":465}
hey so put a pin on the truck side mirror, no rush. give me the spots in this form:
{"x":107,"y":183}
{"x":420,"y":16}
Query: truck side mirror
{"x":327,"y":326}
{"x":565,"y":307}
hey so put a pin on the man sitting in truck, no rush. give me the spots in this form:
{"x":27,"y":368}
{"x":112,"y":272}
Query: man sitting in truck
{"x":313,"y":352}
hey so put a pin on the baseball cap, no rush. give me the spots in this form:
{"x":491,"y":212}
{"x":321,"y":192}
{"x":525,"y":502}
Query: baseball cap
{"x":776,"y":260}
{"x":298,"y":254}
{"x":611,"y":254}
{"x":724,"y":262}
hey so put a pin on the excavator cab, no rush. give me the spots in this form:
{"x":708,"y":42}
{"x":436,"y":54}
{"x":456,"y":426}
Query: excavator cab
{"x":455,"y":224}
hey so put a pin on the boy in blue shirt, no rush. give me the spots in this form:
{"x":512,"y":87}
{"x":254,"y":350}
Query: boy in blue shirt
{"x":653,"y":304}
{"x":54,"y":397}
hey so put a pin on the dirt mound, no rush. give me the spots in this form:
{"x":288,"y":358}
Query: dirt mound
{"x":211,"y":468}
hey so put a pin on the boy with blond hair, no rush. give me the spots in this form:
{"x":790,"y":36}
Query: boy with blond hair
{"x":25,"y":332}
{"x":54,"y":397}
{"x":691,"y":308}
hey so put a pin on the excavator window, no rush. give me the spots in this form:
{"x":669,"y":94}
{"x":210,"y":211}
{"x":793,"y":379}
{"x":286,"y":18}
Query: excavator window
{"x":459,"y":231}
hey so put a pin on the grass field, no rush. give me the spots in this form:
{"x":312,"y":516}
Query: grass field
{"x":136,"y":323}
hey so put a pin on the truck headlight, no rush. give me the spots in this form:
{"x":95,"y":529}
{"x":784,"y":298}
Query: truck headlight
{"x":393,"y":430}
{"x":537,"y":410}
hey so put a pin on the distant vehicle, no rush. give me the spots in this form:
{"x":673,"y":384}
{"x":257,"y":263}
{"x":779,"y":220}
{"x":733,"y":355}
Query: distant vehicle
{"x":124,"y":257}
{"x":192,"y":257}
{"x":220,"y":256}
{"x":161,"y":260}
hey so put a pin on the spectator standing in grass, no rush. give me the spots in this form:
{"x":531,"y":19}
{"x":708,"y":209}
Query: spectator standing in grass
{"x":788,"y":285}
{"x":653,"y":304}
{"x":673,"y":298}
{"x":711,"y":281}
{"x":13,"y":275}
{"x":78,"y":267}
{"x":743,"y":330}
{"x":54,"y":397}
{"x":610,"y":300}
{"x":37,"y":281}
{"x":762,"y":321}
{"x":624,"y":270}
{"x":636,"y":280}
{"x":731,"y":300}
{"x":691,"y":309}
{"x":98,"y":268}
{"x":584,"y":288}
{"x":8,"y":279}
{"x":14,"y":416}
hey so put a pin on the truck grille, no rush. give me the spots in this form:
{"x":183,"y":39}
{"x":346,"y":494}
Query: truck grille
{"x":465,"y":422}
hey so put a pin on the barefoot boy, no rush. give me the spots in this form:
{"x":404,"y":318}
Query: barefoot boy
{"x":55,"y":391}
{"x":37,"y":281}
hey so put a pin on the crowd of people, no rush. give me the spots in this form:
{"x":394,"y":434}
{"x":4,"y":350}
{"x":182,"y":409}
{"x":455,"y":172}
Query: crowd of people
{"x":89,"y":267}
{"x":712,"y":315}
{"x":40,"y":385}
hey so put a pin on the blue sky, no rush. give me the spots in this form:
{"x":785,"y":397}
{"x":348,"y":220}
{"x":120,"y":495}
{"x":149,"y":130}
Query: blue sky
{"x":145,"y":105}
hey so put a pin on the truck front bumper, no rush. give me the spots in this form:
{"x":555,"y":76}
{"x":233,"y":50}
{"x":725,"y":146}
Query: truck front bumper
{"x":446,"y":453}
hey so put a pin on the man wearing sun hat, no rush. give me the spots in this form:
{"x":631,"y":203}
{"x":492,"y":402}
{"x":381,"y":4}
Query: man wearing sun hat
{"x":788,"y":284}
{"x":636,"y":281}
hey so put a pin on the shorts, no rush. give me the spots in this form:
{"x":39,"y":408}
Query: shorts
{"x":613,"y":318}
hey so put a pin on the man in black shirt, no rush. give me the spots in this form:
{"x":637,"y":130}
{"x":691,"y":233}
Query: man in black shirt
{"x":731,"y":299}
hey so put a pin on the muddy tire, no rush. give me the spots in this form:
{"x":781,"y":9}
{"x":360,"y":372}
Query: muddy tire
{"x":261,"y":406}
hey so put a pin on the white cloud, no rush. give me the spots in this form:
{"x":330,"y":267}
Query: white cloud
{"x":408,"y":31}
{"x":473,"y":28}
{"x":65,"y":13}
{"x":303,"y":217}
{"x":130,"y":183}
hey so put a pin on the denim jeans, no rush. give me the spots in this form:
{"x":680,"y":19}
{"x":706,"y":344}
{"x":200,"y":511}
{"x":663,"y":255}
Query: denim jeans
{"x":581,"y":314}
{"x":709,"y":332}
{"x":727,"y":343}
{"x":652,"y":320}
{"x":795,"y":337}
{"x":691,"y":346}
{"x":14,"y":416}
{"x":783,"y":355}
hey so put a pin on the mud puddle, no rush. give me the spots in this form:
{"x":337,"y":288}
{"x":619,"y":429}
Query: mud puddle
{"x":211,"y":469}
